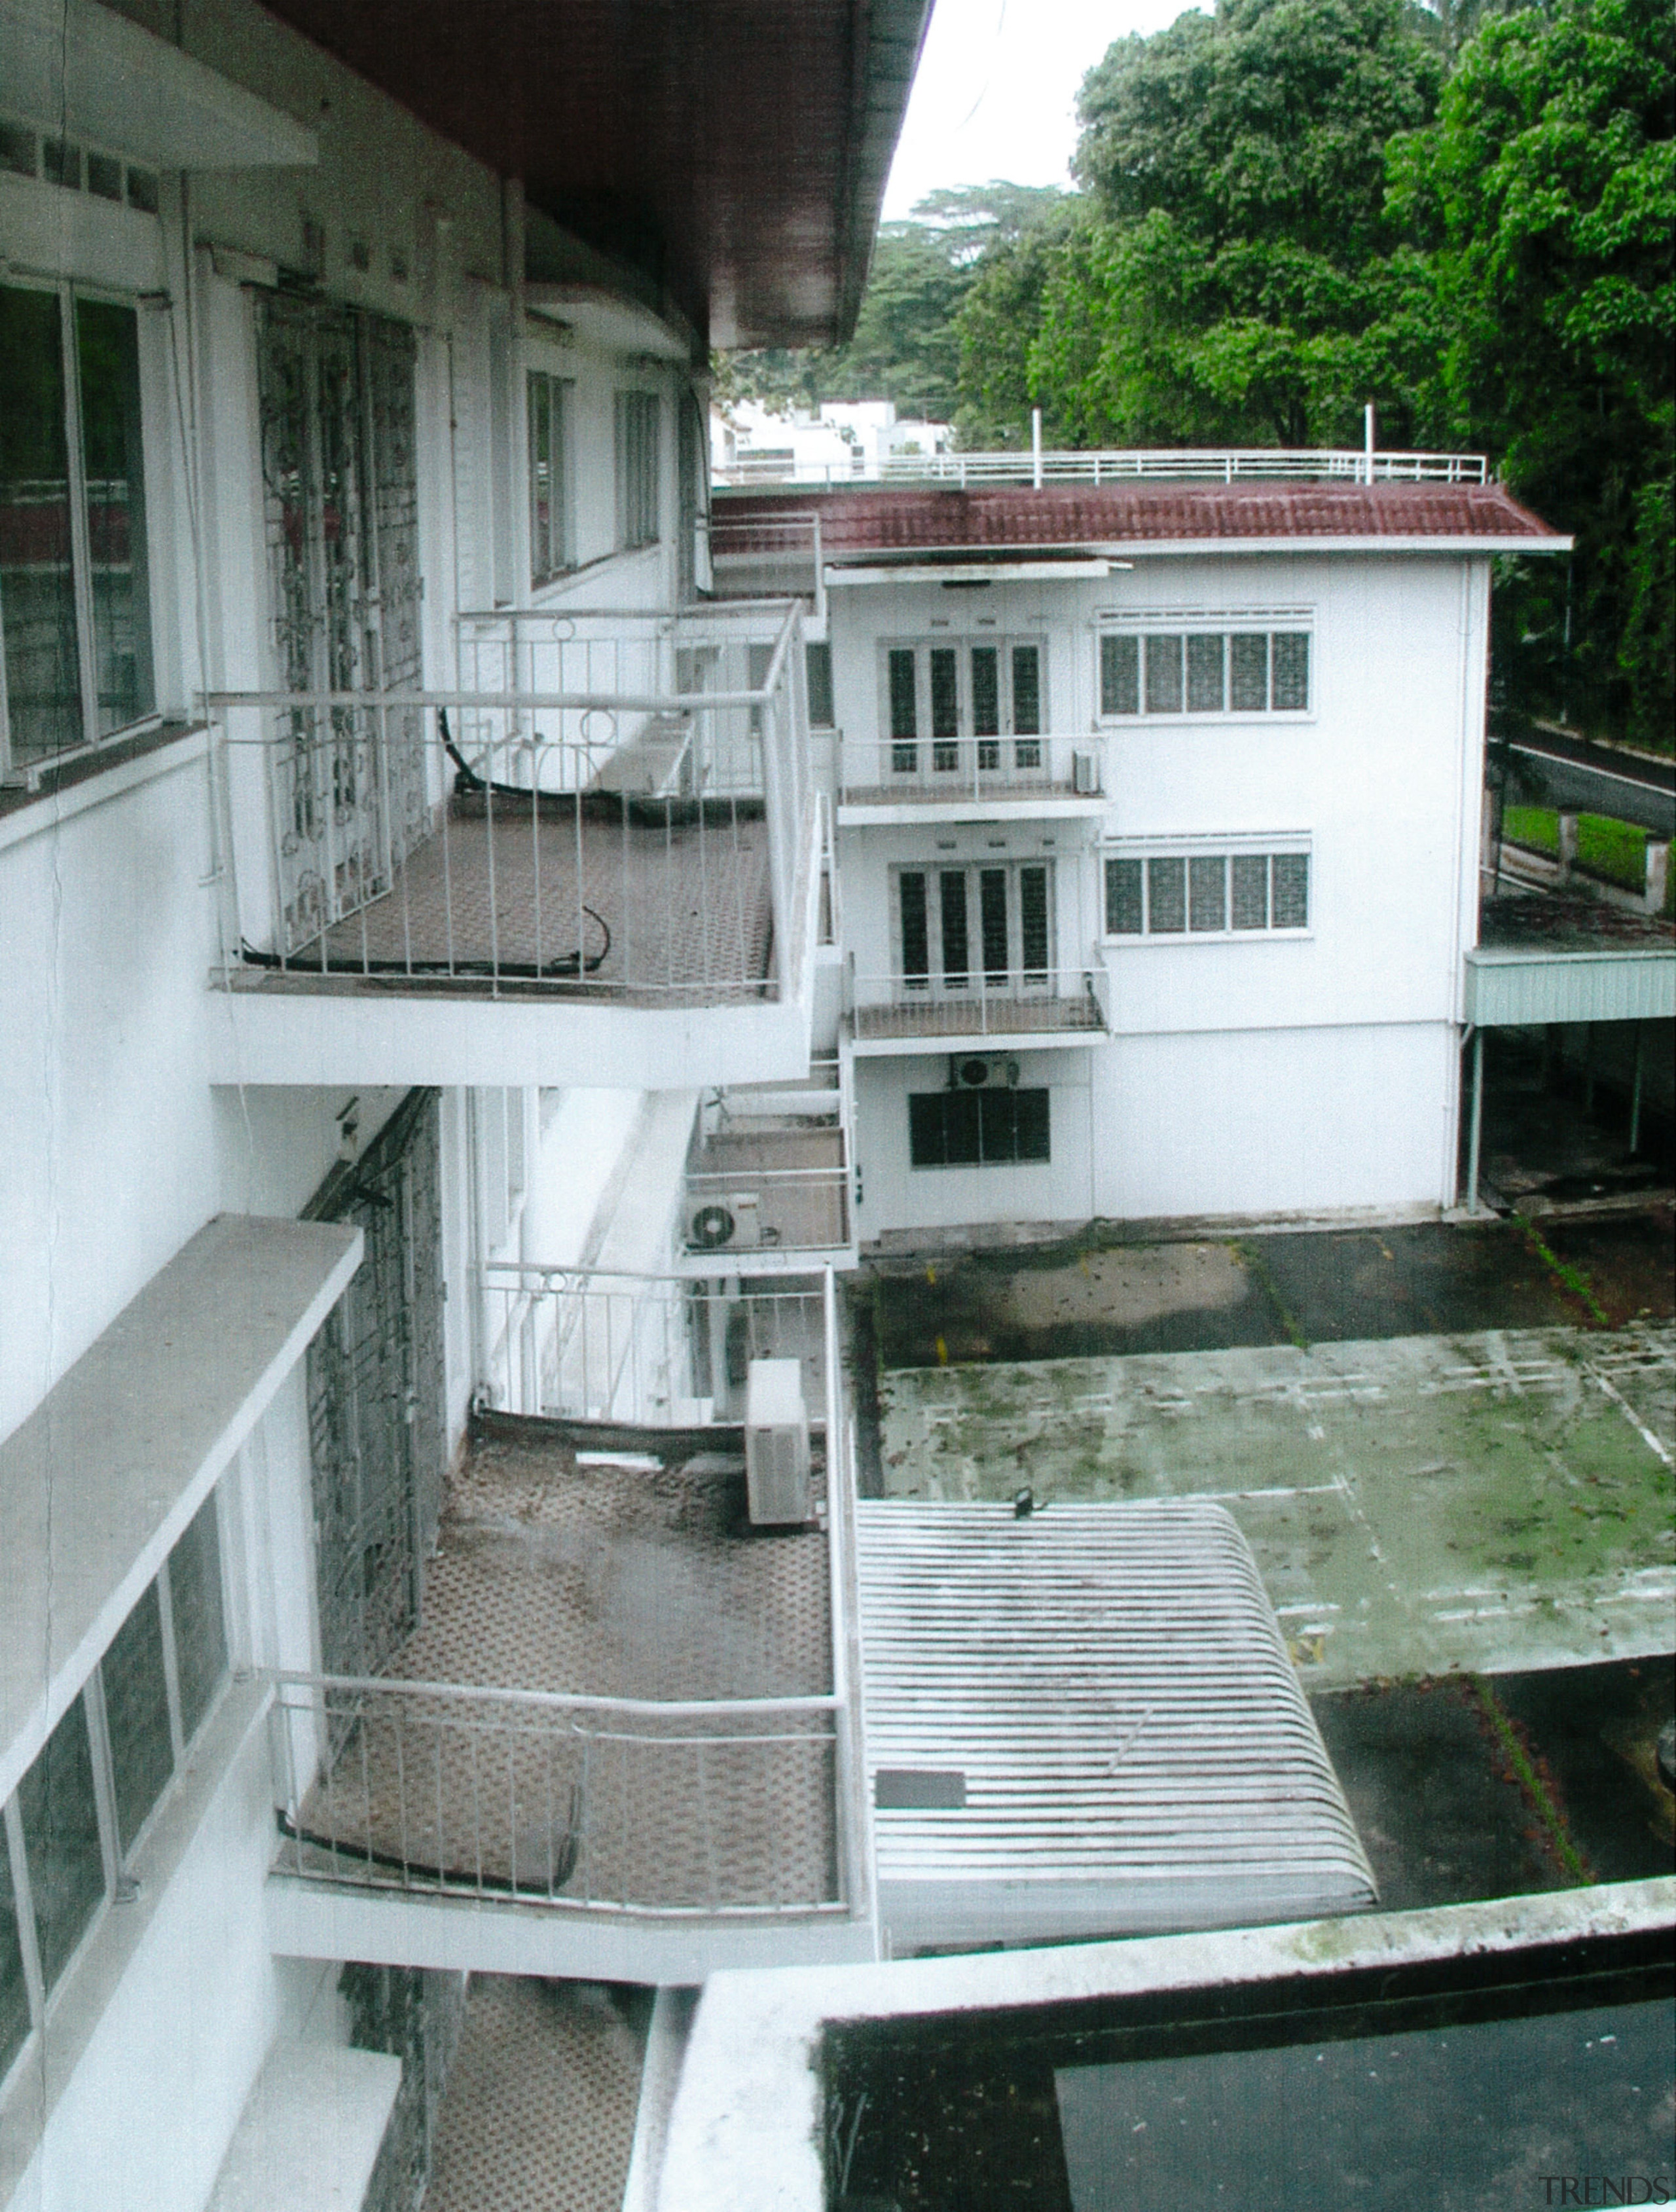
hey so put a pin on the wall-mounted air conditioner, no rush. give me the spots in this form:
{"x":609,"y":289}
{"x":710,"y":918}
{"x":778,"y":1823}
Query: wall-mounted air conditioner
{"x":982,"y":1070}
{"x":735,"y":1225}
{"x":776,"y":1444}
{"x":1085,"y":773}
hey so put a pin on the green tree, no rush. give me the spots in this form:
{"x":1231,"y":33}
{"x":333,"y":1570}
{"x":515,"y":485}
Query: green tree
{"x":1235,"y":253}
{"x":997,"y":324}
{"x":1545,"y":195}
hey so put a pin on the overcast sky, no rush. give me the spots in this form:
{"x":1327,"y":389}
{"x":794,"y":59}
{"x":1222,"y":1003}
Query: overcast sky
{"x":996,"y":94}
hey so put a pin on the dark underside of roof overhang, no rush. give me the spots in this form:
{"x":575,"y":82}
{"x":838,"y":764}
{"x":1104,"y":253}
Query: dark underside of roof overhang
{"x":732,"y":153}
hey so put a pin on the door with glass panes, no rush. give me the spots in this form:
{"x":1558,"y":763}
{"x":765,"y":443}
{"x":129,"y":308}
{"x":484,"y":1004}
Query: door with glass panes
{"x":974,"y":932}
{"x":965,"y":714}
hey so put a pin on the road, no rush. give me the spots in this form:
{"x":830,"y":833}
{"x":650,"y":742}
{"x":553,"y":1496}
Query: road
{"x":1561,"y":771}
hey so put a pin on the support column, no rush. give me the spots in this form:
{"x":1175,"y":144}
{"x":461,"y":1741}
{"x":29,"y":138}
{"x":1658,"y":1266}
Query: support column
{"x":1476,"y":1130}
{"x":1635,"y":1094}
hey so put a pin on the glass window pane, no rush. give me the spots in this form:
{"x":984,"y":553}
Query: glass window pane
{"x":37,"y":588}
{"x":1250,"y":873}
{"x":915,"y":937}
{"x":1204,"y":676}
{"x":1120,"y":676}
{"x":61,"y":1841}
{"x":992,"y":918}
{"x":1123,"y":907}
{"x":1248,"y":673}
{"x":13,"y":1991}
{"x":927,"y":1145}
{"x":200,"y":1625}
{"x":1030,"y":1112}
{"x":1027,"y":691}
{"x":61,"y":163}
{"x":108,"y":355}
{"x":962,"y":1142}
{"x":1166,"y":896}
{"x":945,"y":692}
{"x":1033,"y":923}
{"x":540,"y":479}
{"x":105,"y":176}
{"x":986,"y":690}
{"x":1291,"y":891}
{"x":904,"y":709}
{"x":142,"y":191}
{"x":955,"y":959}
{"x":17,"y":149}
{"x":1291,"y":670}
{"x":1207,"y":892}
{"x":137,"y":1714}
{"x":1163,"y":674}
{"x":817,"y":663}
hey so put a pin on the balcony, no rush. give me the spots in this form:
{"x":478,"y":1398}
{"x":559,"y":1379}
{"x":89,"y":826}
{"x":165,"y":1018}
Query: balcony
{"x":768,"y":1186}
{"x":622,"y":1740}
{"x":598,"y":848}
{"x":968,"y":779}
{"x":1014,"y":1012}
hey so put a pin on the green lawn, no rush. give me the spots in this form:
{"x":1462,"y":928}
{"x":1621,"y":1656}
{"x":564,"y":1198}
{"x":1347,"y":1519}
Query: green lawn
{"x":1614,"y":851}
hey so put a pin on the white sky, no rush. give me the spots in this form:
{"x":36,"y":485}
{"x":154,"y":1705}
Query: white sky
{"x":996,"y":94}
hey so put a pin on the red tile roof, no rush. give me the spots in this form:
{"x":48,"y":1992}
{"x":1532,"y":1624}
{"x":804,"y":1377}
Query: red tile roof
{"x":929,"y":519}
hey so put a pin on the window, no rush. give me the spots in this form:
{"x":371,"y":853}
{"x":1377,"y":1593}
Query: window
{"x":965,"y":930}
{"x":817,"y":660}
{"x":1201,"y":672}
{"x":1205,"y":894}
{"x":977,"y":1128}
{"x":75,"y":590}
{"x":637,"y":413}
{"x":81,"y":1809}
{"x":550,"y":548}
{"x":968,"y":699}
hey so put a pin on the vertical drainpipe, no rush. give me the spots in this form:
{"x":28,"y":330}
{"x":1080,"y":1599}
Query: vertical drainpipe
{"x":1476,"y":1128}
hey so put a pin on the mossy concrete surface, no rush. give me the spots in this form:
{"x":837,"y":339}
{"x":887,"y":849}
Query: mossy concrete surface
{"x":1491,"y":1502}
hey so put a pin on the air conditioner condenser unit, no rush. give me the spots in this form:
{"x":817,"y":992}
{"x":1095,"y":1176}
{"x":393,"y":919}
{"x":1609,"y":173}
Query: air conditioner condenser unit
{"x":982,"y":1070}
{"x":735,"y":1225}
{"x":1085,"y":773}
{"x":776,"y":1444}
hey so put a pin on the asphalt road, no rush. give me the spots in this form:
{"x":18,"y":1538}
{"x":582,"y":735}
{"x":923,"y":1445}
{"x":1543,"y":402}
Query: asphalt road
{"x":1559,"y":771}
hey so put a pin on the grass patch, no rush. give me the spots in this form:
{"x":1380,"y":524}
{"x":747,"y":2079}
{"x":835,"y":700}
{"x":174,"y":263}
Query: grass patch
{"x":1615,"y":852}
{"x":1571,"y":1279}
{"x":1257,"y":1267}
{"x":1535,"y":828}
{"x":1536,"y":1792}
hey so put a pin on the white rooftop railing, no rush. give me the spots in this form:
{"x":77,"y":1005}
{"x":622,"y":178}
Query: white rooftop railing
{"x":1222,"y":464}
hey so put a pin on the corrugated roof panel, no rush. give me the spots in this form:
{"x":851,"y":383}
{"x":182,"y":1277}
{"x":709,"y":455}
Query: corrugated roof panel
{"x":1110,"y":1684}
{"x":915,"y":519}
{"x":1507,"y":987}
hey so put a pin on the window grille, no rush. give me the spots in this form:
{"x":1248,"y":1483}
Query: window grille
{"x":550,"y":548}
{"x":1204,"y":672}
{"x":1205,"y":894}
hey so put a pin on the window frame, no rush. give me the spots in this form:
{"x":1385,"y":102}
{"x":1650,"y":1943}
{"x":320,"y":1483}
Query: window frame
{"x":978,"y":977}
{"x":1225,"y":624}
{"x":118,"y":1857}
{"x":638,"y":457}
{"x":1040,"y":1095}
{"x":557,"y":558}
{"x":902,"y":756}
{"x":27,"y":769}
{"x":1267,"y":847}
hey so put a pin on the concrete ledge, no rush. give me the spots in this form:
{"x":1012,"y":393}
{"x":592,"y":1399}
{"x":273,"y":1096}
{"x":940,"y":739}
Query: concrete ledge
{"x":308,"y":2137}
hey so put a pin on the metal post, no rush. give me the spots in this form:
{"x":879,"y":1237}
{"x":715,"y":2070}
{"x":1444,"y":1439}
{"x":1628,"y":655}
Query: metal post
{"x":1036,"y":447}
{"x":1477,"y":1129}
{"x":1588,"y":1067}
{"x":1368,"y":439}
{"x":1634,"y":1095}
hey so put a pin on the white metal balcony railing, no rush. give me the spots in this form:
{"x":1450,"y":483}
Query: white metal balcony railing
{"x":768,"y":556}
{"x":608,"y":805}
{"x":1231,"y":465}
{"x":767,"y":1173}
{"x":919,"y":769}
{"x":647,"y":1808}
{"x":651,"y":1351}
{"x":1042,"y":1001}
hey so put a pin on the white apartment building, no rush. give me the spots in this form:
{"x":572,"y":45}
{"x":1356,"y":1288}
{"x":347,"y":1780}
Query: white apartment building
{"x":1158,"y":792}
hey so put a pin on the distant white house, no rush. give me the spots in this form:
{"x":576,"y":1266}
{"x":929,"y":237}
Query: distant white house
{"x":848,"y":439}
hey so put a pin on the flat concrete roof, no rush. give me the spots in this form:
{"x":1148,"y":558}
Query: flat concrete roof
{"x":99,"y":1482}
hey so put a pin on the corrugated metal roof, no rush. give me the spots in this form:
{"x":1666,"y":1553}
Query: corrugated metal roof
{"x":1112,"y":1685}
{"x":919,"y":520}
{"x":1505,"y":987}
